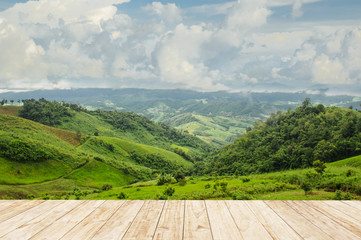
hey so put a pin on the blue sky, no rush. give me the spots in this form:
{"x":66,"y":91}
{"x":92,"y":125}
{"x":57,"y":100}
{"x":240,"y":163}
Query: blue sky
{"x":243,"y":45}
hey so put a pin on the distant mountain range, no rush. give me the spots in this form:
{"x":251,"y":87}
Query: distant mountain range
{"x":216,"y":117}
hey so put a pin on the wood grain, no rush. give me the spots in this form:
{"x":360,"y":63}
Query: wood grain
{"x":275,"y":226}
{"x":34,"y":226}
{"x":26,"y":216}
{"x":246,"y":221}
{"x":221,"y":221}
{"x":322,"y":221}
{"x":118,"y":224}
{"x":300,"y":224}
{"x":210,"y":219}
{"x":145,"y":223}
{"x":171,"y":221}
{"x":19,"y":208}
{"x":337,"y":215}
{"x":64,"y":224}
{"x":89,"y":226}
{"x":196,"y":224}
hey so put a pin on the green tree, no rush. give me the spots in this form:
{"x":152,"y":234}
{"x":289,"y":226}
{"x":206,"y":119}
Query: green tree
{"x":179,"y":175}
{"x":319,"y":166}
{"x":307,"y":187}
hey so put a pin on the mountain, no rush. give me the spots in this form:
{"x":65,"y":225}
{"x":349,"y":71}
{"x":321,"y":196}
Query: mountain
{"x":86,"y":149}
{"x":215,"y":117}
{"x":293,"y":139}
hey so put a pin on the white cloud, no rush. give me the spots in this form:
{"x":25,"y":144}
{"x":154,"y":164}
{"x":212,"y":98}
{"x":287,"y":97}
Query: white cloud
{"x":297,"y":9}
{"x":328,"y":71}
{"x":179,"y":59}
{"x":167,"y":12}
{"x":89,"y":43}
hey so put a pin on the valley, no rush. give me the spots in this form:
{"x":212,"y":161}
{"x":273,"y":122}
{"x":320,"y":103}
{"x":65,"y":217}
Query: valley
{"x":60,"y":150}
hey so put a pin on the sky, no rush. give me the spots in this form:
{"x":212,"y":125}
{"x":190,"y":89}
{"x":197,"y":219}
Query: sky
{"x":204,"y":45}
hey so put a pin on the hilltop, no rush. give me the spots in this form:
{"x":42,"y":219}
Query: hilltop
{"x":293,"y":139}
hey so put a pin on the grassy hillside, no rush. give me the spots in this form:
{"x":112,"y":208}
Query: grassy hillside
{"x":39,"y":159}
{"x":124,"y":125}
{"x":293,"y":139}
{"x":218,"y":130}
{"x":340,"y":181}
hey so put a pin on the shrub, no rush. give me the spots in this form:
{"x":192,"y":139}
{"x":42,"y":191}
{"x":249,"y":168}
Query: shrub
{"x":164,"y":178}
{"x":169,"y":191}
{"x":245,"y":179}
{"x":106,"y":187}
{"x":241,"y":196}
{"x":338,"y":195}
{"x":182,"y":182}
{"x":350,"y":173}
{"x":307,"y":187}
{"x":121,"y":195}
{"x":207,"y":186}
{"x":224,"y":185}
{"x":319,"y":166}
{"x":179,"y":176}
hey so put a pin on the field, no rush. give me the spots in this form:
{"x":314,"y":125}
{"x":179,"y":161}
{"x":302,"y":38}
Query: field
{"x":341,"y":180}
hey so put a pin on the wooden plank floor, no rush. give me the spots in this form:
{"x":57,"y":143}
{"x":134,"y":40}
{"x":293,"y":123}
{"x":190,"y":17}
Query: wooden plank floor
{"x":218,"y":219}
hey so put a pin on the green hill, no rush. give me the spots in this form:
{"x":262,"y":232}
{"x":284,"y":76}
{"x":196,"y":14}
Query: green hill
{"x":39,"y":158}
{"x":293,"y":139}
{"x":124,"y":125}
{"x":218,"y":130}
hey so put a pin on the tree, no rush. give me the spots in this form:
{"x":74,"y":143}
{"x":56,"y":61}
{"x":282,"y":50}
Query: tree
{"x":319,"y":166}
{"x":179,"y":175}
{"x":169,"y":191}
{"x":307,"y":187}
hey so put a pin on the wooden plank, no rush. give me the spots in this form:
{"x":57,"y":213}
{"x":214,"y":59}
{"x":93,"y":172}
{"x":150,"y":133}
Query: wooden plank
{"x":274,"y":225}
{"x":171,"y":221}
{"x":18,"y":208}
{"x":336,"y":215}
{"x":196,"y":224}
{"x":354,"y":204}
{"x":34,"y":226}
{"x":322,"y":221}
{"x":118,"y":224}
{"x":299,"y":223}
{"x":87,"y":228}
{"x":345,"y":208}
{"x":62,"y":225}
{"x":9,"y":204}
{"x":246,"y":221}
{"x":145,"y":223}
{"x":221,"y":221}
{"x":24,"y":217}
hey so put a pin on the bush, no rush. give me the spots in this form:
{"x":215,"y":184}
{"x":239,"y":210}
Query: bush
{"x":164,"y":178}
{"x":338,"y":195}
{"x":106,"y":187}
{"x":350,"y":173}
{"x":182,"y":182}
{"x":207,"y":186}
{"x":245,"y":179}
{"x":307,"y":187}
{"x":169,"y":191}
{"x":224,"y":185}
{"x":121,"y":195}
{"x":23,"y":151}
{"x":179,"y":176}
{"x":319,"y":166}
{"x":241,"y":196}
